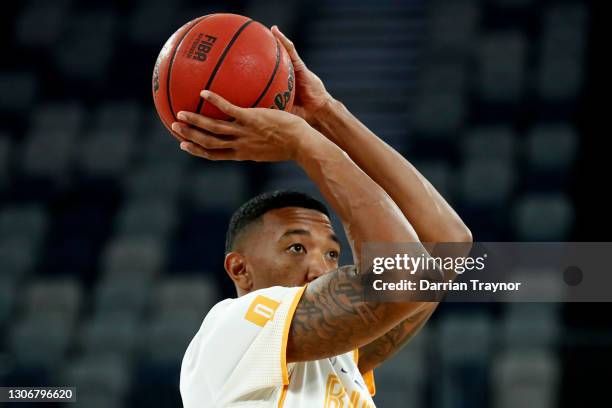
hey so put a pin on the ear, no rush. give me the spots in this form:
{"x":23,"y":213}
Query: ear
{"x":236,"y":267}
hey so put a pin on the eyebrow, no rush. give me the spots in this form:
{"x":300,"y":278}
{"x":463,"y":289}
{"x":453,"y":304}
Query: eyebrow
{"x":300,"y":231}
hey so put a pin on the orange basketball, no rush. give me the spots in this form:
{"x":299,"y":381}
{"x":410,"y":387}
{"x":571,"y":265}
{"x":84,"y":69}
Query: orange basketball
{"x":232,"y":55}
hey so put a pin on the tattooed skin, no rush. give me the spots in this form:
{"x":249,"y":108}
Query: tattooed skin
{"x":332,"y":317}
{"x":376,"y":352}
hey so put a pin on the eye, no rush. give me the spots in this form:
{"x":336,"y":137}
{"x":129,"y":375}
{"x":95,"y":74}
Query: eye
{"x":333,"y":254}
{"x":297,"y":248}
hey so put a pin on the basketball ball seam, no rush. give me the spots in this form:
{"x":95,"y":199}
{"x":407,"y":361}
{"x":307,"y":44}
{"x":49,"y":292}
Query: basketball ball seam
{"x":174,"y":52}
{"x":220,"y":61}
{"x":278,"y":54}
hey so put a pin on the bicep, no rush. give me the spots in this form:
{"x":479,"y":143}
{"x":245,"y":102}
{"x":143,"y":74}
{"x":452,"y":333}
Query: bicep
{"x":332,"y":317}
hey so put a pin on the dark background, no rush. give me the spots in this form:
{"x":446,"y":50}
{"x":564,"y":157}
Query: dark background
{"x":111,"y":239}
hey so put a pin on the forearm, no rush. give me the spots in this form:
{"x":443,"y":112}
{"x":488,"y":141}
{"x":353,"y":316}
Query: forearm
{"x":366,"y":210}
{"x":432,"y":217}
{"x":332,"y":316}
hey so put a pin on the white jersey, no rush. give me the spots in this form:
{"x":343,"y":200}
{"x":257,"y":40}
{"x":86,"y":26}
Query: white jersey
{"x":238,"y":359}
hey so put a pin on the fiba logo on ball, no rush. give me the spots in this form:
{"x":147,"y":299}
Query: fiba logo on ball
{"x":201,"y":47}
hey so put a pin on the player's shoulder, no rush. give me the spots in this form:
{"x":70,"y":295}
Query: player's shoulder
{"x":270,"y":297}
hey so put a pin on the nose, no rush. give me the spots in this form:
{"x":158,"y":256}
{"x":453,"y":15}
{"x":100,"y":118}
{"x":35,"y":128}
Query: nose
{"x":318,"y":267}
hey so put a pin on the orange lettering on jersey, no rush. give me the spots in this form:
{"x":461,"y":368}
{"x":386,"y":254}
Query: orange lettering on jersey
{"x":261,"y":310}
{"x":334,"y":393}
{"x":355,"y":398}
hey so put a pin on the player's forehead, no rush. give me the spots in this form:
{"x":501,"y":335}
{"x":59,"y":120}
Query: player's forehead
{"x":282,"y":219}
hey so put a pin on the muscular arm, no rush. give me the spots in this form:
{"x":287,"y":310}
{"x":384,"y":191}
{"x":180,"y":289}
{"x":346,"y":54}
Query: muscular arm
{"x":432,"y":217}
{"x":332,"y":316}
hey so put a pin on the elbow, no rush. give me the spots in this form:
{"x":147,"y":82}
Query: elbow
{"x":462,"y":235}
{"x":467,"y":236}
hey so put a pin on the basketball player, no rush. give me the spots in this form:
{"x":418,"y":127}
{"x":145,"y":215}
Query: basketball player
{"x":299,"y":334}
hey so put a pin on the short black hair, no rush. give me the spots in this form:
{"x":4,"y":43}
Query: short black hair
{"x":257,"y":206}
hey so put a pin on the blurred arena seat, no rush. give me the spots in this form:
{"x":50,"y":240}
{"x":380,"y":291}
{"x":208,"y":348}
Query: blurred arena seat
{"x":453,"y":27}
{"x":493,"y":142}
{"x":106,"y":153}
{"x":99,"y":379}
{"x":465,"y":346}
{"x":8,"y":295}
{"x":512,"y":4}
{"x":53,"y":298}
{"x":551,"y":150}
{"x":146,"y":217}
{"x":5,"y":161}
{"x":439,"y":114}
{"x":404,"y":377}
{"x":40,"y":340}
{"x":539,"y":217}
{"x":525,"y":378}
{"x":23,"y":88}
{"x":74,"y":56}
{"x":520,"y":331}
{"x":502,"y":61}
{"x":17,"y":257}
{"x":40,"y":24}
{"x":99,"y":400}
{"x":560,"y":68}
{"x":48,"y":154}
{"x":114,"y":334}
{"x":120,"y":116}
{"x":156,"y":145}
{"x":217,"y":187}
{"x":156,"y":179}
{"x":142,"y":32}
{"x":191,"y":294}
{"x":139,"y":253}
{"x":58,"y":116}
{"x":404,"y":381}
{"x":487,"y":181}
{"x":124,"y":297}
{"x":27,"y":222}
{"x":166,"y":336}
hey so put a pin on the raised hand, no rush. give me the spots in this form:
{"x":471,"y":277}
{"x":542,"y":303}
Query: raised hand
{"x":310,"y":93}
{"x":257,"y":134}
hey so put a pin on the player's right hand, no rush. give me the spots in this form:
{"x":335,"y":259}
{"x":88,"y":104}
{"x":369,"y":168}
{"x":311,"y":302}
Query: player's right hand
{"x":257,"y":134}
{"x":310,"y":93}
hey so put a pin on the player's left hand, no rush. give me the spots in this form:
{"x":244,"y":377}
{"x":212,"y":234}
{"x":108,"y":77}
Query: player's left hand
{"x":310,"y":93}
{"x":257,"y":134}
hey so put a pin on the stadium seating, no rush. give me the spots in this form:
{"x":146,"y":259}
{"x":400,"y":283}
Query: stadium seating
{"x":98,"y":378}
{"x":524,"y":378}
{"x":22,"y":87}
{"x":502,"y":60}
{"x":17,"y":257}
{"x":5,"y":161}
{"x":8,"y":294}
{"x":543,"y":217}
